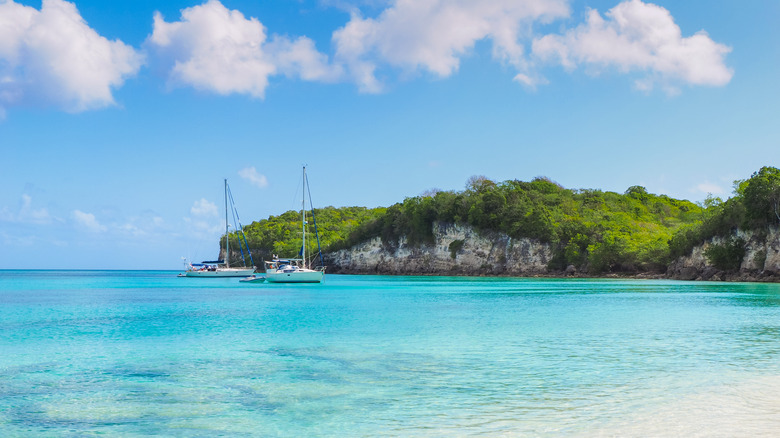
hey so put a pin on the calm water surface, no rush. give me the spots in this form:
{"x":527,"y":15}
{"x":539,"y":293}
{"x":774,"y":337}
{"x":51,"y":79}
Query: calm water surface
{"x":146,"y":353}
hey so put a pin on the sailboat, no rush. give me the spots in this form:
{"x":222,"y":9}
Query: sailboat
{"x":297,"y":270}
{"x":222,"y":268}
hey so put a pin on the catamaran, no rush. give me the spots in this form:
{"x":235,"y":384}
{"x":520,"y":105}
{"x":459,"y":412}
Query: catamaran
{"x":298,"y":270}
{"x":222,"y":268}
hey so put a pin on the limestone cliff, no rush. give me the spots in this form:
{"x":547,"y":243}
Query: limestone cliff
{"x":457,"y":250}
{"x":461,"y":250}
{"x":761,"y":261}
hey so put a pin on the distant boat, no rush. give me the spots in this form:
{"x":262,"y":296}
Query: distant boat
{"x":253,"y":279}
{"x":222,"y":268}
{"x":297,"y":270}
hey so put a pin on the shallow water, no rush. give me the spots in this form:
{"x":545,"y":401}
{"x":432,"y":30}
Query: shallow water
{"x":135,"y":353}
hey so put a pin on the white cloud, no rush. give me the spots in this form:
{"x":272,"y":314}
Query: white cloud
{"x":710,"y":188}
{"x":88,"y":221}
{"x":216,"y":49}
{"x":250,"y":174}
{"x":204,"y":208}
{"x":301,"y":58}
{"x":52,"y":57}
{"x":30,"y":214}
{"x":26,"y":213}
{"x":530,"y":82}
{"x":641,"y":37}
{"x":433,"y":35}
{"x":146,"y":225}
{"x":204,"y":221}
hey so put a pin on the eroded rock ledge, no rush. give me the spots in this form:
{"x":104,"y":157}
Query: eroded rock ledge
{"x":457,"y":250}
{"x":761,"y":261}
{"x":461,"y":250}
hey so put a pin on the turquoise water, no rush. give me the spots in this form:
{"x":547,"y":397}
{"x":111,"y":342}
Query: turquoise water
{"x":124,"y":353}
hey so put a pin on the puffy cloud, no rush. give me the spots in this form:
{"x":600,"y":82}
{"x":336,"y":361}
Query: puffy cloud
{"x":88,"y":221}
{"x":250,"y":174}
{"x":204,"y":221}
{"x":219,"y":50}
{"x":432,"y":35}
{"x":203,"y":208}
{"x":52,"y":57}
{"x":643,"y":37}
{"x":301,"y":58}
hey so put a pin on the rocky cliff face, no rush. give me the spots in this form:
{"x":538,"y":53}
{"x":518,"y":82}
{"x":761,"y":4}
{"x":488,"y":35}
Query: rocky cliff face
{"x":761,"y":261}
{"x":461,"y":250}
{"x":457,"y":250}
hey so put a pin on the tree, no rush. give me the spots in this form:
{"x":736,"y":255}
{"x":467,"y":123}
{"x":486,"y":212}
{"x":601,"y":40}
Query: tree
{"x":726,"y":256}
{"x":479,"y":183}
{"x":761,"y":197}
{"x":637,"y":192}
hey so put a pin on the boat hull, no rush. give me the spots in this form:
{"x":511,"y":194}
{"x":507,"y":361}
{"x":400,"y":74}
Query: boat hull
{"x":307,"y":276}
{"x":223,"y":272}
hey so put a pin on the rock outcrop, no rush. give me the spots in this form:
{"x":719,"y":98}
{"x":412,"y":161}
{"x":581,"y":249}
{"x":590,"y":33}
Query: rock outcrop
{"x":760,"y":263}
{"x":461,"y":250}
{"x":457,"y":250}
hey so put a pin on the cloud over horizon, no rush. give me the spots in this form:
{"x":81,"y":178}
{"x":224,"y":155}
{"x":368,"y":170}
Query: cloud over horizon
{"x":204,"y":219}
{"x":26,"y":213}
{"x":88,"y":221}
{"x":52,"y":57}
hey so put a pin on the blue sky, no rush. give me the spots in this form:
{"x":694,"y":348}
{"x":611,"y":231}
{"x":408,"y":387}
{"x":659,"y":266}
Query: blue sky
{"x":119,"y":120}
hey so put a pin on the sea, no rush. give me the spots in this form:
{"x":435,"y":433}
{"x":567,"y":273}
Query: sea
{"x":146,"y":353}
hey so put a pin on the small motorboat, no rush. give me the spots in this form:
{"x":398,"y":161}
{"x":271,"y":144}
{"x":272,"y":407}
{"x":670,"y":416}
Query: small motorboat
{"x":252,"y":279}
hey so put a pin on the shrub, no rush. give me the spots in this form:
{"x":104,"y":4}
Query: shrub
{"x":455,"y":247}
{"x":726,"y":256}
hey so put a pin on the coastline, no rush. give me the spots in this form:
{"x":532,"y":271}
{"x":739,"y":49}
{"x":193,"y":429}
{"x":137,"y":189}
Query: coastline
{"x":498,"y":255}
{"x":718,"y":276}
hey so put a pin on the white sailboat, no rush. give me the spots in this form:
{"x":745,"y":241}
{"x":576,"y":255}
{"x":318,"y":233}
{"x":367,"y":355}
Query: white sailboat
{"x":222,"y":268}
{"x":297,"y":270}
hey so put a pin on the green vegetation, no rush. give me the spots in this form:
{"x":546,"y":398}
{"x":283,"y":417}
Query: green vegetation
{"x":455,"y":247}
{"x":594,"y":231}
{"x":281,"y":235}
{"x":726,"y":256}
{"x":754,"y":207}
{"x":590,"y":229}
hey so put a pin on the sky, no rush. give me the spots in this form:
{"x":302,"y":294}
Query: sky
{"x":120,"y":120}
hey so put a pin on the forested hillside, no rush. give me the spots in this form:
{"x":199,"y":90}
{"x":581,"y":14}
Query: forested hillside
{"x":755,"y":206}
{"x":592,"y":230}
{"x":600,"y":231}
{"x":281,"y":235}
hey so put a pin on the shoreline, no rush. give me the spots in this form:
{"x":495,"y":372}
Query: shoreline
{"x":721,"y":276}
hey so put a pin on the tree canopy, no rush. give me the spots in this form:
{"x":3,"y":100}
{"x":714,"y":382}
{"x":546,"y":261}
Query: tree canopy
{"x":754,"y":207}
{"x":593,"y":230}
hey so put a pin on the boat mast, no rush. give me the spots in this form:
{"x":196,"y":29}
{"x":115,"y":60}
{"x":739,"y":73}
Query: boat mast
{"x":303,"y":217}
{"x":227,"y":231}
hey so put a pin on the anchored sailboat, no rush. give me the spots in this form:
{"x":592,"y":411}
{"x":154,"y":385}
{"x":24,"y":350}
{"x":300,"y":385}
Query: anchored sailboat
{"x":298,"y":270}
{"x":222,"y":268}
